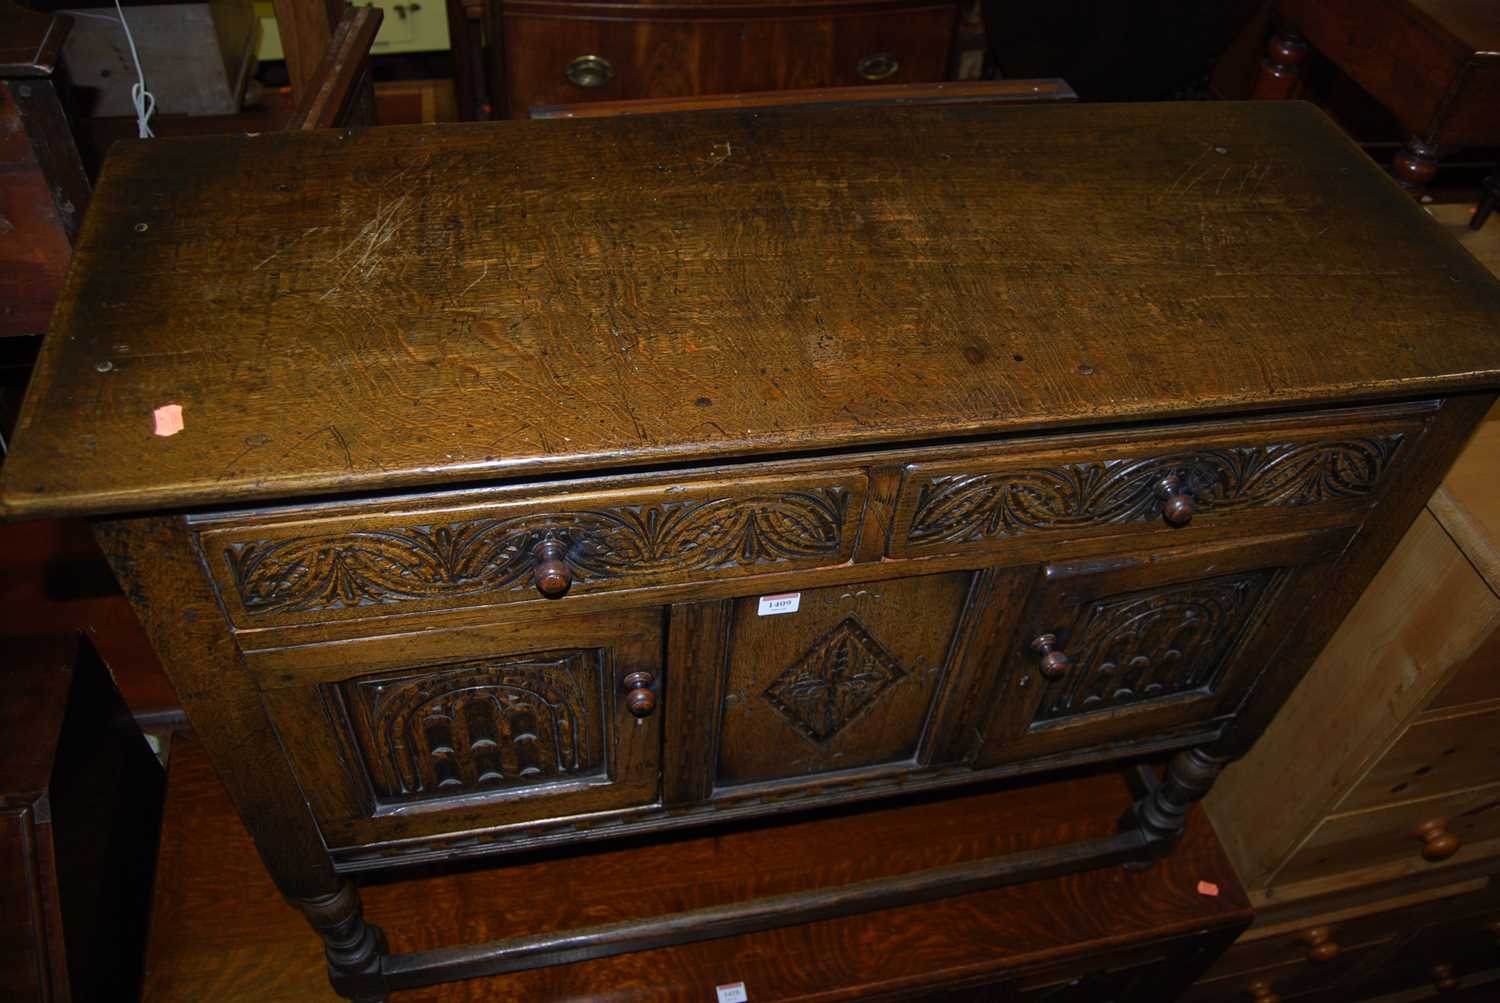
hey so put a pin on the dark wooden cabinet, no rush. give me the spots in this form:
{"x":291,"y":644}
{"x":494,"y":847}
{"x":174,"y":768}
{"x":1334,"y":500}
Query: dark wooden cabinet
{"x":553,"y":482}
{"x":554,"y":52}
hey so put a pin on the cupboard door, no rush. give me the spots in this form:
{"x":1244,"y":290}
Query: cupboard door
{"x":447,"y":732}
{"x":1147,"y":645}
{"x":848,"y":681}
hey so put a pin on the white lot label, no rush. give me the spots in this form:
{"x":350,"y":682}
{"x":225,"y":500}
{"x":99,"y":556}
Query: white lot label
{"x":787,"y":602}
{"x":734,"y":992}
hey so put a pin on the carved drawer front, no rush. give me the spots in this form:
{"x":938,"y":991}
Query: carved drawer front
{"x":445,"y":732}
{"x":1144,"y":645}
{"x":366,"y":561}
{"x":1021,"y":499}
{"x":847,"y":681}
{"x":1424,"y":833}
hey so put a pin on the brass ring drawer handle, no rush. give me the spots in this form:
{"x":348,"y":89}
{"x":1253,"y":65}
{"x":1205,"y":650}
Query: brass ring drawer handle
{"x":640,"y":698}
{"x":878,"y":66}
{"x":1055,"y":664}
{"x":551,"y":574}
{"x":590,"y":71}
{"x":1176,"y":502}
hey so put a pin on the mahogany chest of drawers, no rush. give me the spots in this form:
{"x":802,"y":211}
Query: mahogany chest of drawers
{"x":481,"y":498}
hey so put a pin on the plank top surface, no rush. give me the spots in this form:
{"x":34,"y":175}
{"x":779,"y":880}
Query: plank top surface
{"x":418,"y":306}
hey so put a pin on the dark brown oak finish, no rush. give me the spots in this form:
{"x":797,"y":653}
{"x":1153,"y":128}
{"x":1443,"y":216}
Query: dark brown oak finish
{"x":757,"y":461}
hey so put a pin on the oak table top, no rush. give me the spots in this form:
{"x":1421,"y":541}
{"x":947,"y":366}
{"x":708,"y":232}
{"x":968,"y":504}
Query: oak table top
{"x":404,"y":307}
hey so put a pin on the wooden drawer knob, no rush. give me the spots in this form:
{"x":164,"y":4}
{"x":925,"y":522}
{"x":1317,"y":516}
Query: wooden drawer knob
{"x":590,"y":71}
{"x":1438,"y":842}
{"x":551,"y":573}
{"x":1321,"y":946}
{"x":1444,"y":978}
{"x":1261,"y":992}
{"x":640,"y":698}
{"x":1054,"y":663}
{"x":1176,"y":504}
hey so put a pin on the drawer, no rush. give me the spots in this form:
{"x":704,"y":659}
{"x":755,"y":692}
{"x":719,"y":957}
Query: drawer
{"x":1285,"y":981}
{"x":1262,"y":479}
{"x":1434,"y":756}
{"x":1387,"y":835}
{"x":1321,"y":946}
{"x":1476,"y":679}
{"x":467,"y":731}
{"x":346,"y":561}
{"x":1459,"y":954}
{"x":663,"y":56}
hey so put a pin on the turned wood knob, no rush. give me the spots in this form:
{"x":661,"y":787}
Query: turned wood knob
{"x":640,"y":698}
{"x":1261,"y":992}
{"x":1438,"y":842}
{"x":1320,"y":944}
{"x":1286,"y":51}
{"x":551,"y":573}
{"x":1176,"y":504}
{"x":1054,"y":662}
{"x":1444,"y":978}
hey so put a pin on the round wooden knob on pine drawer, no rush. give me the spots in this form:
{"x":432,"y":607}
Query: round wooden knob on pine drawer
{"x":1261,"y":992}
{"x":1444,"y":978}
{"x":1321,"y":946}
{"x":551,"y":574}
{"x":1177,"y":505}
{"x":640,"y":698}
{"x":1438,"y":842}
{"x":1055,"y":664}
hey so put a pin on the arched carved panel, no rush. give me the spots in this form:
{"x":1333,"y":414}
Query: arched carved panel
{"x":1154,"y":644}
{"x":490,"y":724}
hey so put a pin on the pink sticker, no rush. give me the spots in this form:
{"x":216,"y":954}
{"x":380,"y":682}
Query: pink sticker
{"x":1208,"y":888}
{"x":168,"y":419}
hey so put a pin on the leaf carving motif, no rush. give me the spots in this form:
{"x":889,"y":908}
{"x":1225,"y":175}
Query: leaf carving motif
{"x":834,"y":681}
{"x":969,"y":507}
{"x":475,"y":557}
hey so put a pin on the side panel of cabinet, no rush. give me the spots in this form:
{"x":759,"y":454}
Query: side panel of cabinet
{"x":1148,"y":644}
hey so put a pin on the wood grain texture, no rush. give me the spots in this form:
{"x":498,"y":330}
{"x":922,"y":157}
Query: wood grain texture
{"x":1051,"y":929}
{"x":469,"y":317}
{"x":1467,"y":504}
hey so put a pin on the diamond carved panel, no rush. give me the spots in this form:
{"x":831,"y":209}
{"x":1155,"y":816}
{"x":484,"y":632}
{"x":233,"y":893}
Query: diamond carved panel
{"x":833,"y":682}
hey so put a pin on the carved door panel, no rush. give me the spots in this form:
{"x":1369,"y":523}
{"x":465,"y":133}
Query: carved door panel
{"x":850,"y":680}
{"x":477,"y":728}
{"x":1148,"y":645}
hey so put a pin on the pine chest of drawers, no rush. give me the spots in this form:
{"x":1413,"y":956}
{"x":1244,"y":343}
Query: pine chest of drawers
{"x":757,"y":461}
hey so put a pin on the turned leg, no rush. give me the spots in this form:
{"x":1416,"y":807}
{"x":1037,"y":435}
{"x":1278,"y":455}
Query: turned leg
{"x":1281,"y":69}
{"x":1416,"y":166}
{"x":1489,"y":199}
{"x":1162,"y":812}
{"x":352,"y":946}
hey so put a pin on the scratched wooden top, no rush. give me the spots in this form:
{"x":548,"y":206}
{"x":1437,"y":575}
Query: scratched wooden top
{"x":419,"y":306}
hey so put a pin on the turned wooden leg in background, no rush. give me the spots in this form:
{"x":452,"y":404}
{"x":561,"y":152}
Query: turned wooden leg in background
{"x":352,"y":946}
{"x":1416,"y":166}
{"x":1162,"y":813}
{"x":1281,"y":69}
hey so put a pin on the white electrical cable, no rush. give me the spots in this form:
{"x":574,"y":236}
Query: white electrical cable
{"x":141,"y":99}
